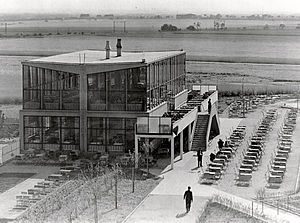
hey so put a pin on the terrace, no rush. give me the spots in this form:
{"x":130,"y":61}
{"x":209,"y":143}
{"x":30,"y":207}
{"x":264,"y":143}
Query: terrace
{"x":162,"y":123}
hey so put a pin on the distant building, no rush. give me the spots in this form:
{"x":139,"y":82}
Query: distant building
{"x":186,"y":16}
{"x":108,"y":16}
{"x":106,"y":102}
{"x":99,"y":16}
{"x":84,"y":16}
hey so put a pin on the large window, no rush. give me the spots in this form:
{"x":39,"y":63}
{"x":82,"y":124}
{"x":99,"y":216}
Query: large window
{"x":51,"y":132}
{"x":97,"y":91}
{"x":119,"y":90}
{"x":96,"y":134}
{"x":50,"y":89}
{"x":112,"y":135}
{"x":165,"y":79}
{"x":33,"y":130}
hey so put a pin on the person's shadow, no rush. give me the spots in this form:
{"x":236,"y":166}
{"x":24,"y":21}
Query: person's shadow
{"x":181,"y":215}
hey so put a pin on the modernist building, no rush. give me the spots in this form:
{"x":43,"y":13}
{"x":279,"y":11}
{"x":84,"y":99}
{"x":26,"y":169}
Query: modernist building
{"x":90,"y":100}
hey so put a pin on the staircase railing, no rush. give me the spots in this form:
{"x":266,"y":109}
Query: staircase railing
{"x":214,"y":111}
{"x":192,"y":134}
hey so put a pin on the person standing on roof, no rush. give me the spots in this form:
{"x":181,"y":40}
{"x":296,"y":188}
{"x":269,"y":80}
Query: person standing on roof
{"x":209,"y":106}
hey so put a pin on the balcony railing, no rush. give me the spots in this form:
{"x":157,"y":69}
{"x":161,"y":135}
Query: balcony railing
{"x":154,"y":125}
{"x":203,"y":88}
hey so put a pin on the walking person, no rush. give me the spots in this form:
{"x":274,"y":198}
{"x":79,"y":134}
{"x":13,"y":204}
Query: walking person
{"x":209,"y":106}
{"x":199,"y":155}
{"x":188,"y":197}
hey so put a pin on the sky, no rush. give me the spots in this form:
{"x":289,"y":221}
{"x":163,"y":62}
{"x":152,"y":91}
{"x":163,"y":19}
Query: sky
{"x":151,"y":6}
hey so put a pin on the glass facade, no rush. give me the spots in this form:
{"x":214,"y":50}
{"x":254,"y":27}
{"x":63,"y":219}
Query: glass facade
{"x":110,"y":134}
{"x":165,"y":79}
{"x":122,"y":90}
{"x":51,"y":132}
{"x":46,"y":89}
{"x":134,"y":89}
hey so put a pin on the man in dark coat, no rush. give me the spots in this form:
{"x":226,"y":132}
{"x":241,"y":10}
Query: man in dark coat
{"x":188,"y":197}
{"x":199,"y":155}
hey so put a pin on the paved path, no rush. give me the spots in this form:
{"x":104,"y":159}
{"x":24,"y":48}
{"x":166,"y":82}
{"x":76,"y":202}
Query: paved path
{"x":165,"y":203}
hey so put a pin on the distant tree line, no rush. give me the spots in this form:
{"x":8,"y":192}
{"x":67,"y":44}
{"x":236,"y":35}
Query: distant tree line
{"x":168,"y":27}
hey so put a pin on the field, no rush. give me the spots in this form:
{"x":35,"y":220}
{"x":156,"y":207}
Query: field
{"x":268,"y":59}
{"x":251,"y":78}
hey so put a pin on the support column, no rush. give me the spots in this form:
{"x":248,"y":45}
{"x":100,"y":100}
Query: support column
{"x":189,"y":137}
{"x":181,"y":145}
{"x":83,"y":112}
{"x":172,"y":152}
{"x":136,"y":152}
{"x":21,"y":131}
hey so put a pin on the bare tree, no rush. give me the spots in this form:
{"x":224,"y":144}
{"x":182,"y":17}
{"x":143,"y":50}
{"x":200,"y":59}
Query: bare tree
{"x":95,"y":178}
{"x":147,"y":146}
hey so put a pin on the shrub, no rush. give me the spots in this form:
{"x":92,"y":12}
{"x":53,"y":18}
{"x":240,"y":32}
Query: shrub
{"x":168,"y":27}
{"x":191,"y":28}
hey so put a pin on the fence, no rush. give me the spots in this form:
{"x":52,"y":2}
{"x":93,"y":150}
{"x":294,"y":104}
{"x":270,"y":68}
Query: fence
{"x":9,"y":151}
{"x":259,"y":210}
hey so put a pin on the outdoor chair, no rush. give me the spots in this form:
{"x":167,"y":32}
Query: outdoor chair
{"x":277,"y":172}
{"x":245,"y":170}
{"x":277,"y":167}
{"x":273,"y":185}
{"x":274,"y":179}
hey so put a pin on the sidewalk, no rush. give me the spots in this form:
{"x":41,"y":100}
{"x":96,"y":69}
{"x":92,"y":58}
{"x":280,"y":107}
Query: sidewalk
{"x":165,"y":203}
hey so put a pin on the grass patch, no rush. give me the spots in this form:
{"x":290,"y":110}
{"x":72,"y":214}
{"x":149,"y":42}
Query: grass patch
{"x":9,"y":180}
{"x":215,"y":212}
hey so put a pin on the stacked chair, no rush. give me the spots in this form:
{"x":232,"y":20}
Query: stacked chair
{"x":43,"y":188}
{"x":216,"y":167}
{"x":277,"y":167}
{"x":252,"y":155}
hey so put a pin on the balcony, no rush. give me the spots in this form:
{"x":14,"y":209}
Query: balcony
{"x":154,"y":125}
{"x":162,"y":122}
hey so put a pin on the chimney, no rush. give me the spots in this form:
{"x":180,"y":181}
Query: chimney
{"x":119,"y":48}
{"x":107,"y":48}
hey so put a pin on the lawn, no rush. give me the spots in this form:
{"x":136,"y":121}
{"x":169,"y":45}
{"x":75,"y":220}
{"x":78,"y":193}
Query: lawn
{"x":9,"y":180}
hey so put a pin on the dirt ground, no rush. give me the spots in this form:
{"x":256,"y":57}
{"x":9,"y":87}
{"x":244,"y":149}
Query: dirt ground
{"x":217,"y":213}
{"x":127,"y":201}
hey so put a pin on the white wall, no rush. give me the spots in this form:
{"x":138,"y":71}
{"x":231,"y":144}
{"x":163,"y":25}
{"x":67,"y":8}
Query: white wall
{"x":181,"y":98}
{"x":159,"y":110}
{"x":9,"y":151}
{"x":186,"y":120}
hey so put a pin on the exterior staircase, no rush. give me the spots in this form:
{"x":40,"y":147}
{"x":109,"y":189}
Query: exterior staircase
{"x":199,"y":139}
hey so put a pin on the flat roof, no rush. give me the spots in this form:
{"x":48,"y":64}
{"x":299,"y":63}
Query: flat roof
{"x":99,"y":57}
